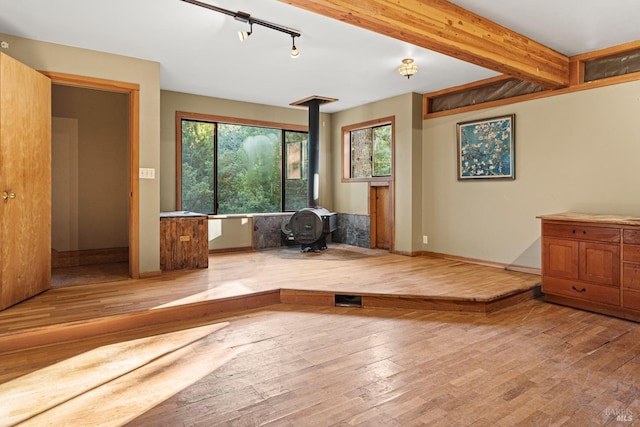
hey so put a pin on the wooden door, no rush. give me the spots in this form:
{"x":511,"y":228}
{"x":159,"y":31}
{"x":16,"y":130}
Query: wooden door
{"x":600,"y":263}
{"x":380,"y":218}
{"x":560,"y":258}
{"x":25,"y":177}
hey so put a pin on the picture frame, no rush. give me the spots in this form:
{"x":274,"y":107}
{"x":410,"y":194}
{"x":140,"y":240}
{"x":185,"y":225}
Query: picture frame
{"x":486,"y":148}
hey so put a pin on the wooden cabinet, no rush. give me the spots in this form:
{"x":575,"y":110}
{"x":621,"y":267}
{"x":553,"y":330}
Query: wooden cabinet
{"x":592,"y":262}
{"x":184,"y":240}
{"x":631,"y":269}
{"x":25,"y":182}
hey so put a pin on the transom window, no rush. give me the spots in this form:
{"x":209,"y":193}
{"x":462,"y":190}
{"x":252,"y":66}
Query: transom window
{"x":233,"y":166}
{"x":367,"y":151}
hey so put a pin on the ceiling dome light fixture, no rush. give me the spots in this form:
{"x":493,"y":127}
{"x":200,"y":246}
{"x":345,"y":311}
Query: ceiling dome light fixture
{"x":408,"y":68}
{"x":294,"y":50}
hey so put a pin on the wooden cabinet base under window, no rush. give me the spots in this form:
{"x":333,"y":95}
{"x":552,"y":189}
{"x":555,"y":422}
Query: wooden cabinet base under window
{"x":183,"y":241}
{"x":592,"y":262}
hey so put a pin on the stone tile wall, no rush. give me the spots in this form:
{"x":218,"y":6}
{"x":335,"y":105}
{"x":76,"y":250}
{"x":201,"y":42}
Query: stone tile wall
{"x":353,"y":230}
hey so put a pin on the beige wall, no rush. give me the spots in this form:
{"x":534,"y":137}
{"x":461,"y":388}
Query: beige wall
{"x":63,"y":59}
{"x":230,"y":232}
{"x":353,"y":197}
{"x":574,"y":152}
{"x":101,"y":163}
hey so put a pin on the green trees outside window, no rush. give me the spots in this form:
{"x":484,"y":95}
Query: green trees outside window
{"x":238,"y":169}
{"x":198,"y":179}
{"x":371,"y":152}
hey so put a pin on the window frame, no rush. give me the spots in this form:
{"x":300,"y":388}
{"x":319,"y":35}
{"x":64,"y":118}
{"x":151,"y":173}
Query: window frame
{"x":209,"y":118}
{"x":346,"y":149}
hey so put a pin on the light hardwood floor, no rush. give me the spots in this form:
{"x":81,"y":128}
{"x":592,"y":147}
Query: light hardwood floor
{"x":289,"y":364}
{"x":342,"y":268}
{"x":532,"y":364}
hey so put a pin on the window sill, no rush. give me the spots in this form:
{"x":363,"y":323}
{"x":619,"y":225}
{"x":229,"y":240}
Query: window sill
{"x":250,"y":215}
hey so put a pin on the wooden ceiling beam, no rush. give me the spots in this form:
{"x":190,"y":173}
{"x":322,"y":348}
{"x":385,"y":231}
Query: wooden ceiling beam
{"x":443,"y":27}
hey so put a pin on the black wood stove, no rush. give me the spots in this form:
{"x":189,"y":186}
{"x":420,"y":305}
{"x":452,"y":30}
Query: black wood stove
{"x":310,"y":226}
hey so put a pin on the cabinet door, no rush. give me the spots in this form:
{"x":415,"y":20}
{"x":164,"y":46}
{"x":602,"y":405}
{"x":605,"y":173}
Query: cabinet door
{"x":560,"y":258}
{"x":25,"y":176}
{"x":600,"y":263}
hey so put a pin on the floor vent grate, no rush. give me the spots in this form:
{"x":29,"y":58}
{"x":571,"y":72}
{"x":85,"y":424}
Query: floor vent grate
{"x":348,"y":301}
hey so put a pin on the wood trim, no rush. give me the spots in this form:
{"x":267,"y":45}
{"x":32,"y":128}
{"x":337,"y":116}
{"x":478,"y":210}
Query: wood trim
{"x":304,"y":297}
{"x":91,"y":82}
{"x":373,"y":212}
{"x":626,"y":78}
{"x":511,"y":267}
{"x":609,"y":51}
{"x":178,"y":165}
{"x":133,"y":90}
{"x":73,"y":331}
{"x":183,"y":115}
{"x":134,"y":183}
{"x":576,"y":72}
{"x":239,"y":121}
{"x":369,"y":124}
{"x":407,"y":253}
{"x":88,"y":257}
{"x":467,"y":86}
{"x":449,"y":29}
{"x":230,"y":250}
{"x":410,"y":302}
{"x":576,"y":83}
{"x":149,"y":274}
{"x":346,"y":149}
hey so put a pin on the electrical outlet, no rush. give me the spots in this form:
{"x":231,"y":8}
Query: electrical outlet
{"x":425,"y":240}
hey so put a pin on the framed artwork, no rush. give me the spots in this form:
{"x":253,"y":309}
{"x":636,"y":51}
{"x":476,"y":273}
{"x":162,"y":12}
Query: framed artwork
{"x":486,"y":148}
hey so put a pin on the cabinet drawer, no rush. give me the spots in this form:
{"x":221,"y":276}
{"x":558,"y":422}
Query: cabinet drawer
{"x":631,"y":276}
{"x":631,"y":253}
{"x":631,"y":236}
{"x":582,"y":291}
{"x":601,"y":234}
{"x":631,"y":300}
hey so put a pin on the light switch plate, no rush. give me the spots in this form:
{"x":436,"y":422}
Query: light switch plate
{"x":147,"y":173}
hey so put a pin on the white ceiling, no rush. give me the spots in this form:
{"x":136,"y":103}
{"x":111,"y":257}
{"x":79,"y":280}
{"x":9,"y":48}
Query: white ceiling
{"x":199,"y":51}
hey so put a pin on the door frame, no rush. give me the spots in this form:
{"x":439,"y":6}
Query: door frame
{"x":133,"y":90}
{"x":373,"y":212}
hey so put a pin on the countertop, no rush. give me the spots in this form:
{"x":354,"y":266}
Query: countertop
{"x":593,"y":218}
{"x":180,"y":214}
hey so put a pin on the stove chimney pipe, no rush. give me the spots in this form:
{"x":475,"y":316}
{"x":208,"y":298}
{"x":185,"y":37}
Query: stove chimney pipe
{"x":313,"y":178}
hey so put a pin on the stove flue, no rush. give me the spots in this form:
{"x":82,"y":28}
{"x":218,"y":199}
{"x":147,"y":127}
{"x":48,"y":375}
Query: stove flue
{"x":310,"y":226}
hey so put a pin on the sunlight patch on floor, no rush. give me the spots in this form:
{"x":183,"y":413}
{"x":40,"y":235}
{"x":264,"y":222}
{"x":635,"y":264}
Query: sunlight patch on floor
{"x":113,"y":384}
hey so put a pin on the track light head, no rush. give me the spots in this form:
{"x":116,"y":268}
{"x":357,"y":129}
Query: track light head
{"x":243,"y":35}
{"x":294,"y":50}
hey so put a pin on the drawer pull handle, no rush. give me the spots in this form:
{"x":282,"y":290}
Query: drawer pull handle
{"x":573,"y":231}
{"x":579,"y":290}
{"x":584,"y":231}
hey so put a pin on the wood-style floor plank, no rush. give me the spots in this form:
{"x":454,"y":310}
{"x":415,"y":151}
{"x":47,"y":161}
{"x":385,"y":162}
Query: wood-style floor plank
{"x":532,"y":364}
{"x":341,"y":268}
{"x":348,"y":366}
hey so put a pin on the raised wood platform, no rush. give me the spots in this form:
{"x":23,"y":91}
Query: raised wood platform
{"x":239,"y":281}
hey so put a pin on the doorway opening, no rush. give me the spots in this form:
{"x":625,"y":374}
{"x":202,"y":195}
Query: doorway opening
{"x":94,"y":181}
